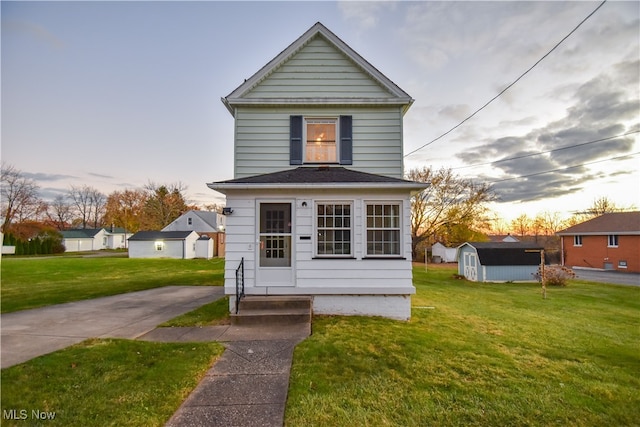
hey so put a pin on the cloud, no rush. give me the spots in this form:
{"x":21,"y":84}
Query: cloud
{"x":34,"y":31}
{"x":601,"y":108}
{"x":365,"y":14}
{"x":39,"y":176}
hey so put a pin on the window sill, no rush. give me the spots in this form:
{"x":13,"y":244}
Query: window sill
{"x":379,"y":257}
{"x":334,"y":257}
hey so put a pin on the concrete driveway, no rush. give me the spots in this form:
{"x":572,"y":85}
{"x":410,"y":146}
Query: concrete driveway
{"x":30,"y":333}
{"x":615,"y":277}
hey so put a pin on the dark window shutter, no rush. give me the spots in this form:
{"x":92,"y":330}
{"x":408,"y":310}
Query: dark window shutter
{"x":295,"y":140}
{"x":346,"y":140}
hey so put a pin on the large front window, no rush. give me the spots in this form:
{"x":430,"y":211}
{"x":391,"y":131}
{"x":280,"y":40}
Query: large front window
{"x":320,"y":141}
{"x":333,"y":222}
{"x":383,"y":229}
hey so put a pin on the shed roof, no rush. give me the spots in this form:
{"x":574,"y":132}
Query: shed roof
{"x":609,"y":223}
{"x":506,"y":253}
{"x":161,"y":235}
{"x":324,"y":176}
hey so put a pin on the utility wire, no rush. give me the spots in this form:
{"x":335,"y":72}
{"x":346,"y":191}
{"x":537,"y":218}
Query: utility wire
{"x":509,"y":86}
{"x":548,"y":151}
{"x":566,"y":168}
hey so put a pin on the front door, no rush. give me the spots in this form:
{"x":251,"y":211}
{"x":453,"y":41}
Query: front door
{"x":275,"y":245}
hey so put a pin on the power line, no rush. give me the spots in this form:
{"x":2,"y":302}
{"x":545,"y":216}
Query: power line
{"x":509,"y":86}
{"x":566,"y":168}
{"x":547,"y":151}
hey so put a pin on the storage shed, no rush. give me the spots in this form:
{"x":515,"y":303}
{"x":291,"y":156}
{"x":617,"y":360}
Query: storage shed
{"x":163,"y":244}
{"x":499,"y":262}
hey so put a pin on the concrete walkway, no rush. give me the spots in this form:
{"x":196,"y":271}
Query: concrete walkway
{"x":248,"y":385}
{"x":31,"y":333}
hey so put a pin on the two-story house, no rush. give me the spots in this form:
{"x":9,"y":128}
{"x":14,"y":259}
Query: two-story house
{"x":318,"y":205}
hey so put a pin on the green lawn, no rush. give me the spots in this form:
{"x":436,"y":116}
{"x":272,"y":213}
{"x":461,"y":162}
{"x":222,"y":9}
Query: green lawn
{"x":37,"y":282}
{"x":476,"y":354}
{"x":472,"y":354}
{"x":105,"y":383}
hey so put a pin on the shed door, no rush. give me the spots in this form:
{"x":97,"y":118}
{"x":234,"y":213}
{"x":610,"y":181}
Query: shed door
{"x":471,"y":266}
{"x":275,"y":247}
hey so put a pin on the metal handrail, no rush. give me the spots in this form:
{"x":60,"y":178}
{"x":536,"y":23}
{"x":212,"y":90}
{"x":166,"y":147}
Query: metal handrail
{"x":239,"y":284}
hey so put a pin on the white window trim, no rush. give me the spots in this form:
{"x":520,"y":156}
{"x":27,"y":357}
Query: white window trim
{"x":351,"y":228}
{"x":575,"y":240}
{"x":305,"y":122}
{"x":610,"y":238}
{"x":400,"y":228}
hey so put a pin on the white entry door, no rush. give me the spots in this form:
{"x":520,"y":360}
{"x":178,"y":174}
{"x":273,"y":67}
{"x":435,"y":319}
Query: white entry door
{"x":471,"y":266}
{"x":275,"y":244}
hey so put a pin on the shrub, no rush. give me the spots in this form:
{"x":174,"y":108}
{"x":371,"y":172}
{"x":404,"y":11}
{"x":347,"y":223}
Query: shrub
{"x":555,"y":275}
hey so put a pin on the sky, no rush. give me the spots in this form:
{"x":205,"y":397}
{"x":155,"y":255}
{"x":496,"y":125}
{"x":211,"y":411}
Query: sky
{"x":117,"y":94}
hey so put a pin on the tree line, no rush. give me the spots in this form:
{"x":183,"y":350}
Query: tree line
{"x":25,"y":215}
{"x":451,"y":210}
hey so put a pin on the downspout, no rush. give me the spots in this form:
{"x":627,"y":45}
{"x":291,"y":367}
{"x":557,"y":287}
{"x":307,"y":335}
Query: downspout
{"x":562,"y":250}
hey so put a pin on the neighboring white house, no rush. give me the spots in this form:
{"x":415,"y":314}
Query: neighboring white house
{"x":117,"y":237}
{"x":207,"y":223}
{"x":202,"y":222}
{"x":443,"y":253}
{"x":84,"y":239}
{"x":318,"y":205}
{"x":163,"y":244}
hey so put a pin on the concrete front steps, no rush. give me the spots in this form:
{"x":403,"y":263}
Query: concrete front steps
{"x":281,"y":310}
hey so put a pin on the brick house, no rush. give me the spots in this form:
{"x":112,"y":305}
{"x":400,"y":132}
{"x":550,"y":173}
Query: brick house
{"x":610,"y":242}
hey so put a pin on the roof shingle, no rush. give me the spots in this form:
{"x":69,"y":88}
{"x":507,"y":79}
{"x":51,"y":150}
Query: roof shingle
{"x":609,"y":223}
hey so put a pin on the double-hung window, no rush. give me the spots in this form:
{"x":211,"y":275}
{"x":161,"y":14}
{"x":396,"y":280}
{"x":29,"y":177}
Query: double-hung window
{"x":320,"y":140}
{"x":612,"y":241}
{"x":577,"y":240}
{"x":383,"y":229}
{"x":334,"y":228}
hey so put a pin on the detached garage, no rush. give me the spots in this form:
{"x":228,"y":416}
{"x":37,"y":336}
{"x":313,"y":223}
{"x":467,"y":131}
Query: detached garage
{"x":498,"y":262}
{"x":163,"y":244}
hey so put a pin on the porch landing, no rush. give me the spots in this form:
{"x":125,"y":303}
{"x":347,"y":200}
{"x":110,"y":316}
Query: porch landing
{"x":273,"y":310}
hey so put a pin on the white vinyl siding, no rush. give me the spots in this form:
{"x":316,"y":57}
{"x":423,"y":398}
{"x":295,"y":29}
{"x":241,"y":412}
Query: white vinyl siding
{"x":318,"y":70}
{"x":314,"y":275}
{"x":262,"y":138}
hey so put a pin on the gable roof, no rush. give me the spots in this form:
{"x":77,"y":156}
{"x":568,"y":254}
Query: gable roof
{"x":211,"y":218}
{"x":333,"y":177}
{"x":81,"y":233}
{"x":609,"y":223}
{"x":238,"y":96}
{"x":506,"y":253}
{"x":161,"y":235}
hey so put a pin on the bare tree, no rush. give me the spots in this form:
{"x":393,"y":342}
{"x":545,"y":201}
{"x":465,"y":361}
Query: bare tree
{"x":60,"y":212}
{"x":81,"y":197}
{"x":19,"y":196}
{"x":521,"y":225}
{"x":98,"y":204}
{"x":449,"y":201}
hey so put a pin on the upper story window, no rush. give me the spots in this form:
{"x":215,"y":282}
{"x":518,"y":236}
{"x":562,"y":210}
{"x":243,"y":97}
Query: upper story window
{"x":577,"y":240}
{"x":320,"y":140}
{"x":612,"y":241}
{"x":190,"y":221}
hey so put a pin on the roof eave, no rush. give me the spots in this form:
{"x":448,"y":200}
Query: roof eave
{"x":225,"y":187}
{"x":232,"y":103}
